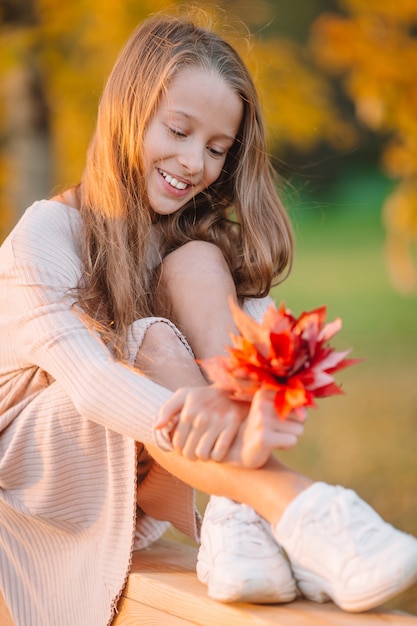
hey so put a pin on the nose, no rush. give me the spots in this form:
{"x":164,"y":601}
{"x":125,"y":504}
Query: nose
{"x":191,"y":158}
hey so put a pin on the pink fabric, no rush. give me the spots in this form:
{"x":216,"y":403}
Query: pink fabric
{"x":69,"y":419}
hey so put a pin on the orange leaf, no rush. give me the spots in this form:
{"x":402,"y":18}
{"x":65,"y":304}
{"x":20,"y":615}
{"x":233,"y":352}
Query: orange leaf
{"x":287,"y":355}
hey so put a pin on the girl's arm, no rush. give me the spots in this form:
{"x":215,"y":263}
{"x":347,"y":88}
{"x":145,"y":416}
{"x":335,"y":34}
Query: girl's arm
{"x":39,"y":270}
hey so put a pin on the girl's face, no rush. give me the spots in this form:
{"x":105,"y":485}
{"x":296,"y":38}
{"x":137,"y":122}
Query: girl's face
{"x":187,"y":140}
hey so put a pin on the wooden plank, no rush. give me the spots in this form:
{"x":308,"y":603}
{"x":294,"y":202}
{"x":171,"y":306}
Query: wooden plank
{"x":163,"y":577}
{"x":132,"y":613}
{"x":163,"y":590}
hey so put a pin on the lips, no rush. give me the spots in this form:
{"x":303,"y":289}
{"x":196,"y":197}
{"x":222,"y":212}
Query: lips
{"x":174,"y":182}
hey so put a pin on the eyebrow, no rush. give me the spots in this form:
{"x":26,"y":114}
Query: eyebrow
{"x":192,"y":117}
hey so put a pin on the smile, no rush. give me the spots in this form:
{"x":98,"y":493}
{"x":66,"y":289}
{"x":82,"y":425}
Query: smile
{"x":177,"y":184}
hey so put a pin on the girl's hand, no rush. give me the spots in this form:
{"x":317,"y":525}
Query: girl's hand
{"x":263,"y":432}
{"x":203,"y":421}
{"x":206,"y":424}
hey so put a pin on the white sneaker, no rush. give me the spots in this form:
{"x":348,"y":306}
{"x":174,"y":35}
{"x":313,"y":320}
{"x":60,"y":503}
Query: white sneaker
{"x":341,"y":549}
{"x":238,"y":558}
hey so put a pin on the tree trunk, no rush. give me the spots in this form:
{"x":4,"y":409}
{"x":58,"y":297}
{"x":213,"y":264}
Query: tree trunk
{"x":27,"y":149}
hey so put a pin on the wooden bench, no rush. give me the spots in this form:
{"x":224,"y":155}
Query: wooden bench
{"x":163,"y":590}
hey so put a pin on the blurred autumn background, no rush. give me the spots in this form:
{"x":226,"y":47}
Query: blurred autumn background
{"x":338,"y":81}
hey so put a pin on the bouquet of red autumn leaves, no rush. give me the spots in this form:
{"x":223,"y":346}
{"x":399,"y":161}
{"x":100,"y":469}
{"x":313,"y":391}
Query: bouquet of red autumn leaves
{"x":290,"y":356}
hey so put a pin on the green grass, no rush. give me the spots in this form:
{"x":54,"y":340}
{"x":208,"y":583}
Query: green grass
{"x":347,"y":270}
{"x":365,"y":439}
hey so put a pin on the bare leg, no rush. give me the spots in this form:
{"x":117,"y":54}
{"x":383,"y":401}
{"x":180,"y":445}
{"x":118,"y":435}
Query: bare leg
{"x":165,"y":359}
{"x":194,"y":290}
{"x":268,"y":490}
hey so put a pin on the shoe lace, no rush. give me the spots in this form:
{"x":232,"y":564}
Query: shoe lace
{"x":246,"y":525}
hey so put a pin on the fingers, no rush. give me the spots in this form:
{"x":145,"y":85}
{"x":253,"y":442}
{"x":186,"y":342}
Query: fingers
{"x":300,"y":415}
{"x":215,"y":444}
{"x":203,"y":422}
{"x":169,"y":411}
{"x":283,"y":438}
{"x":263,"y":432}
{"x":294,"y":429}
{"x":269,"y":430}
{"x":205,"y":436}
{"x":259,"y":443}
{"x":196,"y":430}
{"x":223,"y":444}
{"x":188,"y":434}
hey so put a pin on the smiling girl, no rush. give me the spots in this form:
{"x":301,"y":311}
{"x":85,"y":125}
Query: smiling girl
{"x":110,"y":292}
{"x":187,"y":140}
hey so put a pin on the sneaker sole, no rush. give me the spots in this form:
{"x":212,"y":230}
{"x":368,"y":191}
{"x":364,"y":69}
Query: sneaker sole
{"x":255,"y":588}
{"x":351,"y":602}
{"x":376,"y":599}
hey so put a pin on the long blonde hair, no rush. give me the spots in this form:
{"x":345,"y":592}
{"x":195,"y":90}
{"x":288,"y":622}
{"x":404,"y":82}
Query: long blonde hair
{"x":241,"y":212}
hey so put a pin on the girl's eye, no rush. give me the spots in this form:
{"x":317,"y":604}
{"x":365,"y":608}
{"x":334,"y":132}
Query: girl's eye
{"x":175,"y":132}
{"x":216,"y":153}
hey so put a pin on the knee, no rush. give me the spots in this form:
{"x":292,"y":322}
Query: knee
{"x":161,"y":343}
{"x":166,"y":359}
{"x":195,"y":258}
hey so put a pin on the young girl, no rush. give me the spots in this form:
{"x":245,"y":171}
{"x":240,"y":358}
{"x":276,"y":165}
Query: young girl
{"x":110,"y":292}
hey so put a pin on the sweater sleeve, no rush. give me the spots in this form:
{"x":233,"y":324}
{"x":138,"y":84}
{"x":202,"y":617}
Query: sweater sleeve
{"x":256,"y":307}
{"x":39,"y":270}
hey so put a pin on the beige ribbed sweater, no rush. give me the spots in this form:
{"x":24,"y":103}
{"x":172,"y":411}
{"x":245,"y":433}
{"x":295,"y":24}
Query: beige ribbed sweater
{"x":69,"y":418}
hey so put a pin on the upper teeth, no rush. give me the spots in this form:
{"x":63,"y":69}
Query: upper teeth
{"x":173,"y":181}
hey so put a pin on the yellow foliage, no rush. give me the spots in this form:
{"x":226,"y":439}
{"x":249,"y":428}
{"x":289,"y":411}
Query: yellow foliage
{"x":400,"y":215}
{"x":372,"y":47}
{"x":73,"y":45}
{"x":374,"y":50}
{"x":296,"y":100}
{"x":377,"y":59}
{"x":80,"y":42}
{"x":402,"y":12}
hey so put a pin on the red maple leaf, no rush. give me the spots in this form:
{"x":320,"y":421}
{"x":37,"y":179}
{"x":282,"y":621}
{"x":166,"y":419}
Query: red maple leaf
{"x":291,"y":356}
